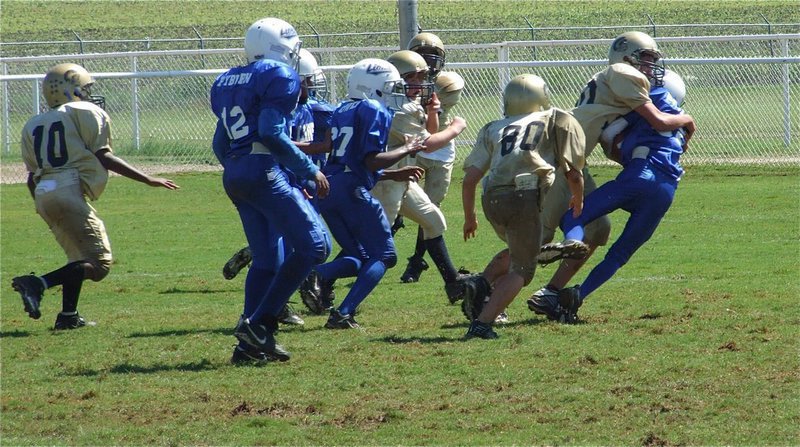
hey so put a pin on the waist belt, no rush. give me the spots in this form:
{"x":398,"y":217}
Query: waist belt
{"x":258,"y":148}
{"x":640,"y":152}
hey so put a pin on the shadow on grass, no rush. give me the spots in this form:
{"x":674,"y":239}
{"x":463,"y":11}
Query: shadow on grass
{"x":219,"y":331}
{"x":180,"y":332}
{"x":397,"y":340}
{"x":14,"y":334}
{"x":513,"y":323}
{"x":128,"y":368}
{"x":175,"y":290}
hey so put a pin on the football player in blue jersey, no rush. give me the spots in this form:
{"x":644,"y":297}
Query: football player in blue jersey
{"x":645,"y":188}
{"x":360,"y":132}
{"x":252,"y":103}
{"x":308,"y":128}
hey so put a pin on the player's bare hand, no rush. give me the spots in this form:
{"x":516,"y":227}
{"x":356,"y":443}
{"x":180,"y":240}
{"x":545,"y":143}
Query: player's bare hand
{"x":434,"y":105}
{"x":690,"y":128}
{"x":409,"y":174}
{"x":576,"y":204}
{"x":470,"y":227}
{"x":162,"y":182}
{"x":459,"y":124}
{"x":323,"y":187}
{"x":414,"y":144}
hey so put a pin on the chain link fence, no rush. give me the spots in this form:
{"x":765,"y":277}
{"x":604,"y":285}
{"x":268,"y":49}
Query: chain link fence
{"x":742,"y":92}
{"x":203,"y":38}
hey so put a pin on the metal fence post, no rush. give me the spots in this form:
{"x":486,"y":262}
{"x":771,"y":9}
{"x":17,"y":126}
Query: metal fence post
{"x":37,"y":93}
{"x":652,"y":24}
{"x":533,"y":37}
{"x":6,"y":113}
{"x":316,"y":34}
{"x":769,"y":31}
{"x":504,"y":72}
{"x":80,"y":41}
{"x":135,"y":103}
{"x":787,"y":115}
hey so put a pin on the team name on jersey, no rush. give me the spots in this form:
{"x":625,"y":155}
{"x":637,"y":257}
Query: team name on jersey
{"x":234,"y":79}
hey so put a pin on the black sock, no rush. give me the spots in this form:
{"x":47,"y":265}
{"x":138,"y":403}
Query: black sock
{"x":419,"y":250}
{"x":70,"y":277}
{"x":438,"y":251}
{"x":57,"y":277}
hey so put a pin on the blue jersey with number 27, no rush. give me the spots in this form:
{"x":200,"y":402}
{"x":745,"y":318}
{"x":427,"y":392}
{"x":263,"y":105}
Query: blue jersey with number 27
{"x":357,"y":129}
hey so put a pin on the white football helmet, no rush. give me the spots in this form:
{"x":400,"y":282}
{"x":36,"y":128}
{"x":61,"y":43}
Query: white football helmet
{"x":675,"y":86}
{"x":376,"y":79}
{"x":526,"y":93}
{"x":308,"y":69}
{"x":273,"y":39}
{"x":65,"y":83}
{"x":630,"y":48}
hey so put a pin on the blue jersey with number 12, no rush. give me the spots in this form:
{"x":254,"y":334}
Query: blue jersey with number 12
{"x":240,"y":94}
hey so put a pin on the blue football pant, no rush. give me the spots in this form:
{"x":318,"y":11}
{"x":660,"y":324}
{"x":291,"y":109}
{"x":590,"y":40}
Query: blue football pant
{"x":357,"y":222}
{"x":639,"y":189}
{"x":269,"y":206}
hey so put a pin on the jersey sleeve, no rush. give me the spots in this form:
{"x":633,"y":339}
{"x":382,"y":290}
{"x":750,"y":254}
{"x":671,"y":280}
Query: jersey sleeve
{"x":629,"y":85}
{"x":481,"y":155}
{"x":373,"y":120}
{"x":28,"y":156}
{"x":570,"y":141}
{"x":94,"y":127}
{"x":282,"y":90}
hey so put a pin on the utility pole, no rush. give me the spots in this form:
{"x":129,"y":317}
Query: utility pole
{"x":409,"y":25}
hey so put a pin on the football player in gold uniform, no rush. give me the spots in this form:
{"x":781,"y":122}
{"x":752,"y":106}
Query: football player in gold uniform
{"x":438,"y":164}
{"x":634,"y":63}
{"x":67,"y":152}
{"x":523,"y":152}
{"x":418,"y":118}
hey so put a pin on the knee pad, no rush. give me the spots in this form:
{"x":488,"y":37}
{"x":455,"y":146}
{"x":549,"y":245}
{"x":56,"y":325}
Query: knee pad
{"x":389,"y":260}
{"x":597,"y":232}
{"x":99,"y":270}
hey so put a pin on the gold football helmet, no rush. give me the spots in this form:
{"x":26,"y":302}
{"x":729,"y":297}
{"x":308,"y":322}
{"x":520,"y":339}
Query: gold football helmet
{"x":413,"y":68}
{"x":639,"y":50}
{"x":65,"y":83}
{"x":449,"y":86}
{"x":430,"y":47}
{"x":525,"y":94}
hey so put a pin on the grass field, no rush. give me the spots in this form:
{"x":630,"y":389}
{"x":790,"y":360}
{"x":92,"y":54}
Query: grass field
{"x":695,"y":342}
{"x":25,"y":20}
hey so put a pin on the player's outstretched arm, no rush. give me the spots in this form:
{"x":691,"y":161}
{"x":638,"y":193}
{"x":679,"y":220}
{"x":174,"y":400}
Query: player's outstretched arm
{"x":121,"y":167}
{"x":375,"y":161}
{"x":663,"y":122}
{"x":404,"y":174}
{"x":575,"y":183}
{"x":441,"y":138}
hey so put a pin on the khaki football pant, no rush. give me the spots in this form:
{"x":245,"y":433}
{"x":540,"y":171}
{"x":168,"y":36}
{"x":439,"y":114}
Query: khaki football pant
{"x":436,"y":181}
{"x":410,"y":200}
{"x":514,"y":216}
{"x":556,"y":203}
{"x":75,"y":225}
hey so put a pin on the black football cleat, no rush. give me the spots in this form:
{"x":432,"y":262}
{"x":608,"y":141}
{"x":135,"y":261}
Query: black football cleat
{"x":413,"y":270}
{"x":31,"y":289}
{"x":69,"y":322}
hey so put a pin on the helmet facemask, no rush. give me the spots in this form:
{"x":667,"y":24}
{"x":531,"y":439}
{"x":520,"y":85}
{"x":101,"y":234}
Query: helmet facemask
{"x":649,"y":62}
{"x":416,"y":87}
{"x":434,"y":60}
